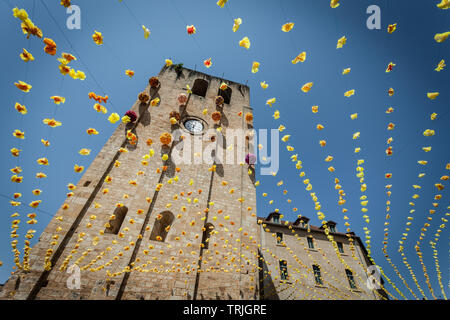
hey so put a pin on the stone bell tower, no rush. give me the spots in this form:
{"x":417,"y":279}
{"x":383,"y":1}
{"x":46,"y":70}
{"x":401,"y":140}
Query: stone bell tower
{"x":142,"y":224}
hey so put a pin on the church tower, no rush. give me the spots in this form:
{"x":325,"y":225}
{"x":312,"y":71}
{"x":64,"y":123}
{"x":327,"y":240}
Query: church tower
{"x":159,"y":216}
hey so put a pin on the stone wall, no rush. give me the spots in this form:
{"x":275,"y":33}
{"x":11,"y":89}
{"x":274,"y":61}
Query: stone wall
{"x":300,"y":284}
{"x":161,"y":270}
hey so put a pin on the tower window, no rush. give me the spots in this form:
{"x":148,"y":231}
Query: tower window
{"x":310,"y":242}
{"x":332,"y":228}
{"x":351,"y":280}
{"x":283,"y":270}
{"x":225,"y":94}
{"x":200,"y":87}
{"x":279,"y":237}
{"x":276,"y":219}
{"x":116,"y":221}
{"x":162,"y":226}
{"x":317,"y":275}
{"x":207,"y":233}
{"x":340,"y":247}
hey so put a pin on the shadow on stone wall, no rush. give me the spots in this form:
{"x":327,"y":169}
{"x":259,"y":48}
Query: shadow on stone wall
{"x":267,"y":290}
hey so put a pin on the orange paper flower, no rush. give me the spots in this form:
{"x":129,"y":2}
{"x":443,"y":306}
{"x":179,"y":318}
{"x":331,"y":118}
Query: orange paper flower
{"x":20,"y":108}
{"x":165,"y":138}
{"x":191,"y":29}
{"x":58,"y":99}
{"x":50,"y":46}
{"x":97,"y":37}
{"x":25,"y":87}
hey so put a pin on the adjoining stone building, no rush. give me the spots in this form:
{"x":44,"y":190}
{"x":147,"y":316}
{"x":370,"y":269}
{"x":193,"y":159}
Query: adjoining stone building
{"x":300,"y":262}
{"x":142,"y":228}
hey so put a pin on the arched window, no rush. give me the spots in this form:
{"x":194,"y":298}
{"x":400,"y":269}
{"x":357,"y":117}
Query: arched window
{"x":207,"y":233}
{"x":162,"y":226}
{"x":115,"y":222}
{"x":200,"y":87}
{"x":225,"y":94}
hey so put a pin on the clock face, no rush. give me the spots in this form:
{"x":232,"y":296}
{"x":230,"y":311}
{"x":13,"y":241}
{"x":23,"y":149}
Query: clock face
{"x":193,"y":126}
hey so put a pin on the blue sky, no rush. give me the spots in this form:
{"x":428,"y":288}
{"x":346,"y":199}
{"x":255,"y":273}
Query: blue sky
{"x":317,"y":28}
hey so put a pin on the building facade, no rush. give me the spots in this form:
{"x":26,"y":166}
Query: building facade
{"x":158,"y":219}
{"x":298,"y":261}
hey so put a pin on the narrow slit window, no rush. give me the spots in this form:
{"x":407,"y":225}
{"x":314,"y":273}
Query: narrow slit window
{"x":207,"y":233}
{"x":162,"y":226}
{"x":116,"y":220}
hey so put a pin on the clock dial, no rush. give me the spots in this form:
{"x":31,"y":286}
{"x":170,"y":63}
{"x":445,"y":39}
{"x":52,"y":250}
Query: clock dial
{"x":193,"y":125}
